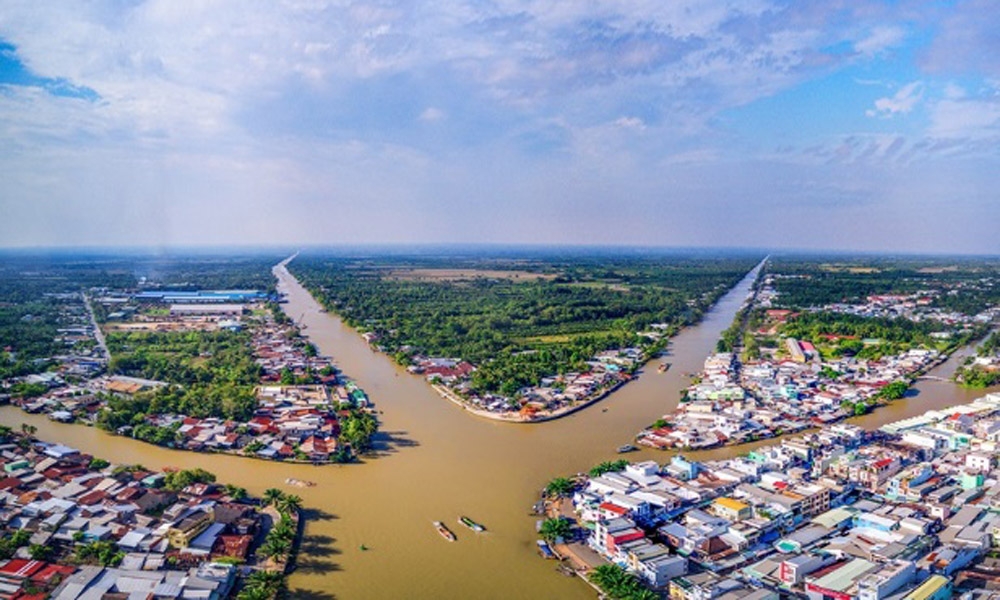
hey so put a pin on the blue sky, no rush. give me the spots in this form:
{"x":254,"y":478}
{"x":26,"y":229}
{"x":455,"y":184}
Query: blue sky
{"x":834,"y":124}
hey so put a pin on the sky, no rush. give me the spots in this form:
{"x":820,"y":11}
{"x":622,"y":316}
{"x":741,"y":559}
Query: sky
{"x":830,"y":124}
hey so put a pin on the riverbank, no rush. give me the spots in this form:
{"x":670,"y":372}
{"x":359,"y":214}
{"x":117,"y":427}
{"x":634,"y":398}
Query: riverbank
{"x":176,"y":526}
{"x":442,"y":462}
{"x":612,"y":369}
{"x":795,"y":498}
{"x":516,"y":417}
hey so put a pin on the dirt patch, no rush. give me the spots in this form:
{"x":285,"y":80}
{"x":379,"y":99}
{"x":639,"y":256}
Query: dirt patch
{"x":465,"y":275}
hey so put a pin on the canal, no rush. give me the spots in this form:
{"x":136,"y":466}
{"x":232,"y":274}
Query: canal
{"x":436,"y":462}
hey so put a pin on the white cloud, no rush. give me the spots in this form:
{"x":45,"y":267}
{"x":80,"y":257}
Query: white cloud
{"x":634,"y":123}
{"x":880,"y":39}
{"x":901,"y":103}
{"x":965,"y":118}
{"x":432,"y":114}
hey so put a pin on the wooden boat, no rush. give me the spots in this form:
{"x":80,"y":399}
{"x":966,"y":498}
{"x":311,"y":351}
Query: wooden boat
{"x":471,"y":524}
{"x":546,"y":551}
{"x":444,"y":531}
{"x":663,"y":367}
{"x":299,"y":482}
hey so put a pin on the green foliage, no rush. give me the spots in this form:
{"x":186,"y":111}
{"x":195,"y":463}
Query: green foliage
{"x":893,"y":391}
{"x":990,"y":345}
{"x":560,"y":486}
{"x":357,"y":428}
{"x":262,"y":585}
{"x":968,"y":284}
{"x":10,"y":544}
{"x":98,"y":464}
{"x":40,"y":552}
{"x":517,"y":329}
{"x":608,"y":467}
{"x":27,"y":390}
{"x":618,"y":583}
{"x":178,"y":480}
{"x":552,"y":529}
{"x":898,"y":333}
{"x":104,"y":553}
{"x":279,"y":541}
{"x":977,"y":377}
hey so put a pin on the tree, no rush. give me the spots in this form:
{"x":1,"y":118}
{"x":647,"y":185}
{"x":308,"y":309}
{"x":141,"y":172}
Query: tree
{"x":40,"y":552}
{"x":235,"y":492}
{"x":288,"y":504}
{"x":559,"y":487}
{"x":272,"y":496}
{"x":608,"y":467}
{"x":98,"y":464}
{"x":553,"y":529}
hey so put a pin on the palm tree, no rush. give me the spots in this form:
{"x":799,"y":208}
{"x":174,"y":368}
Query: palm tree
{"x":265,"y":579}
{"x":257,"y":593}
{"x":272,"y":496}
{"x":559,"y":487}
{"x":235,"y":492}
{"x":553,"y":529}
{"x":288,"y":504}
{"x":276,"y":547}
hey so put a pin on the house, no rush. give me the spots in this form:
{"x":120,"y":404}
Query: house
{"x":181,"y":533}
{"x":730,"y":509}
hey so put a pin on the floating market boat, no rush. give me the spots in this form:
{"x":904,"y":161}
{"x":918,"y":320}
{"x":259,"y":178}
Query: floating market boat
{"x":299,"y":482}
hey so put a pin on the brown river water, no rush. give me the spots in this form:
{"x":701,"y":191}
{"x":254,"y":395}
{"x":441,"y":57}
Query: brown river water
{"x":437,"y":462}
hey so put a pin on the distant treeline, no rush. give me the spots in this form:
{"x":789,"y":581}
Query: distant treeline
{"x":967,"y":285}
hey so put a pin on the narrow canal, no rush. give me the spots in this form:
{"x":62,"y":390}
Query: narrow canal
{"x":435,"y":463}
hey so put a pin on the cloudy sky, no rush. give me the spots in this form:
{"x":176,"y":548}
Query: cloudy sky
{"x":806,"y":124}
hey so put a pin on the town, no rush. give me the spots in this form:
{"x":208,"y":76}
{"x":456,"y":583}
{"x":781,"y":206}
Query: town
{"x":769,"y":382}
{"x":908,"y":512}
{"x":76,"y":526}
{"x":288,"y":402}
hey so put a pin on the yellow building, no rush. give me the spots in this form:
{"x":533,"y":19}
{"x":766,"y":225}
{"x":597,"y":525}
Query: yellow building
{"x":181,"y":533}
{"x":936,"y":587}
{"x":731,"y":509}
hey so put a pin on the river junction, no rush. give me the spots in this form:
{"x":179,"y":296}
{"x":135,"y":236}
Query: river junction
{"x":436,"y":462}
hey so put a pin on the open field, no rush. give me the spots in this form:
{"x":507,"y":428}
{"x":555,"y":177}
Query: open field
{"x":443,"y":275}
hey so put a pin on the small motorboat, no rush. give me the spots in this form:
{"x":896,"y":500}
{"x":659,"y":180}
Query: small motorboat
{"x":626,"y":448}
{"x":444,"y":531}
{"x":471,"y":524}
{"x":546,"y":551}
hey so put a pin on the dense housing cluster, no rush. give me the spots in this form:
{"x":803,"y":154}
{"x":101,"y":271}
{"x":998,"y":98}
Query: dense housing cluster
{"x":76,"y":527}
{"x":219,"y":370}
{"x":910,"y":511}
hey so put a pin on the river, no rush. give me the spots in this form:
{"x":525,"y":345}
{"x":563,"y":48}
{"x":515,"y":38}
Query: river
{"x":437,"y":462}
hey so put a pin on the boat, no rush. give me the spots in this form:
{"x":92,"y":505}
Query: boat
{"x":299,"y":482}
{"x":626,"y":448}
{"x":544,"y":548}
{"x":363,"y":548}
{"x":663,"y":367}
{"x":471,"y":524}
{"x":444,"y":531}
